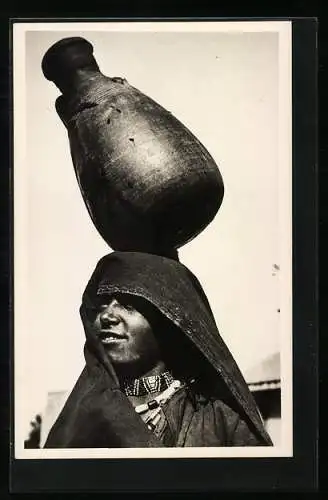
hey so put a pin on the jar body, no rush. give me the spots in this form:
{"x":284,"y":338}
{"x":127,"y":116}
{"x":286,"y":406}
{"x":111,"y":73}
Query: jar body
{"x":147,"y":181}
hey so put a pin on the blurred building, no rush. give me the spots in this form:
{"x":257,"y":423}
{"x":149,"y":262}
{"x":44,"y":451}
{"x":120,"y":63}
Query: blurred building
{"x":265,"y":384}
{"x":55,"y":403}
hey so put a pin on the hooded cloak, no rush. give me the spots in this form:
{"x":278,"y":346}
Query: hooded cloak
{"x":97,"y":412}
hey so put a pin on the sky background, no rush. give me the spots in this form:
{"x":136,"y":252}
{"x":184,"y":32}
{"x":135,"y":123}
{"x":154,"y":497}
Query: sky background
{"x":224,"y":88}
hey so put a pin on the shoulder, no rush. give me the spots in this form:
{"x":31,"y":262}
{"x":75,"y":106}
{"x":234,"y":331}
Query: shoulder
{"x":238,"y":429}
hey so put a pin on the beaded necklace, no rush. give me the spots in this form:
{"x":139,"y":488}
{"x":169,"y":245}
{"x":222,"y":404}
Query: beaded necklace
{"x":151,"y":412}
{"x":148,"y":385}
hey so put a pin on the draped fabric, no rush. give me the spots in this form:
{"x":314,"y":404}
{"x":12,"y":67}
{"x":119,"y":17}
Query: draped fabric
{"x":218,"y":410}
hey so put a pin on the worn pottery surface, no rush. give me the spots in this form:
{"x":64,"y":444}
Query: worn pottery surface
{"x":147,"y":181}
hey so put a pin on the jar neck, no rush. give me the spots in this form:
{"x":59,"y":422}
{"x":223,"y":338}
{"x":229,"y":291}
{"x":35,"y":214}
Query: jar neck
{"x":77,"y":80}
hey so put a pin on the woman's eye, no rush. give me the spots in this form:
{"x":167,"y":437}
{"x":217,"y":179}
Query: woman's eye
{"x":125,"y":302}
{"x":97,"y":309}
{"x":128,"y":307}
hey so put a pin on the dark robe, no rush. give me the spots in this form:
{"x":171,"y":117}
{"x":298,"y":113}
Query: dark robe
{"x":216,"y":410}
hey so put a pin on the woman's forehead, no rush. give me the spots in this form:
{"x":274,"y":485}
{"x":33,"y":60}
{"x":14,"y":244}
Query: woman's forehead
{"x":105,"y":296}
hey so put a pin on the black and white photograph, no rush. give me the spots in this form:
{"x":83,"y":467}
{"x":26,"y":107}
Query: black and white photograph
{"x":152,"y":239}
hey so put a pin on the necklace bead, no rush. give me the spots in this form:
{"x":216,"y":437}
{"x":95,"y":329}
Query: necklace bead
{"x":148,"y":385}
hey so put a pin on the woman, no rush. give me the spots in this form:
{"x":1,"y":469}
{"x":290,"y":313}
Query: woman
{"x":157,"y":372}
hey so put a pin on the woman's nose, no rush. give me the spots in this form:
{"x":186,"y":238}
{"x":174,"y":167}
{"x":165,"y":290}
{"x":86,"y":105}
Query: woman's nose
{"x":108,"y":318}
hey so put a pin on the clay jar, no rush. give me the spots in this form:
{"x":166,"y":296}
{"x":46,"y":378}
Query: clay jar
{"x":147,"y":181}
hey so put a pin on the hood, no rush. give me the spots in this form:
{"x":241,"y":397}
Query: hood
{"x":176,"y":292}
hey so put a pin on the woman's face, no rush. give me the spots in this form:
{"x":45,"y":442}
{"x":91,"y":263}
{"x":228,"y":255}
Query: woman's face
{"x":126,"y":334}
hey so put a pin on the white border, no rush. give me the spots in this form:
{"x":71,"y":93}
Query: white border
{"x":283,"y":28}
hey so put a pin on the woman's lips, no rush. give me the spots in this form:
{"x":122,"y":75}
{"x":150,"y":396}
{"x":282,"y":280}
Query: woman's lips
{"x":107,"y":337}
